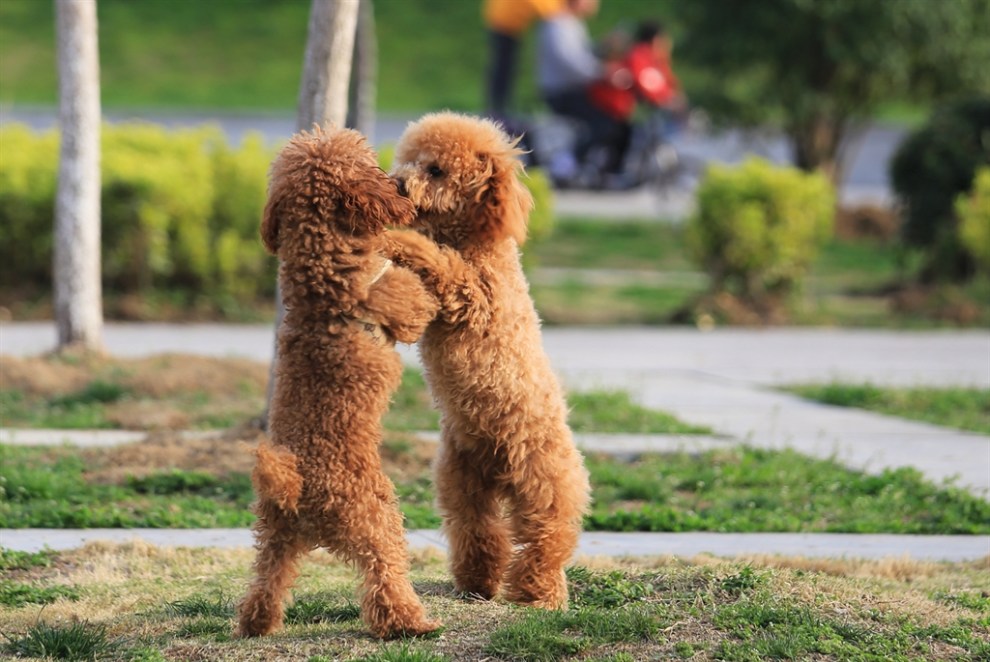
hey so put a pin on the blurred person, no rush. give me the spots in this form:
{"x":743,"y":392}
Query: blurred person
{"x":645,"y":73}
{"x":507,"y":21}
{"x":566,"y":66}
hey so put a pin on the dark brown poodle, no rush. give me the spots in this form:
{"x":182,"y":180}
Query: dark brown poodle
{"x":510,"y":483}
{"x":320,"y":481}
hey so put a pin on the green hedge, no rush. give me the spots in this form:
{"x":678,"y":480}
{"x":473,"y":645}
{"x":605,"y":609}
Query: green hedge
{"x":758,"y":227}
{"x":973,"y":210}
{"x":180,"y":209}
{"x":180,"y":212}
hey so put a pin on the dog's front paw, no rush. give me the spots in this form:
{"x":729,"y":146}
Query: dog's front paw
{"x":411,"y":249}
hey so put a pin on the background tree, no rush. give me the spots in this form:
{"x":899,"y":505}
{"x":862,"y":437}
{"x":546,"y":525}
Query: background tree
{"x":323,"y":90}
{"x":76,"y":269}
{"x":364,"y":86}
{"x":817,"y":67}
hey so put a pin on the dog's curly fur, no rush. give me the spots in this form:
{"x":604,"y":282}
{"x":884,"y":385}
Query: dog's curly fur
{"x":508,"y":473}
{"x":320,"y":482}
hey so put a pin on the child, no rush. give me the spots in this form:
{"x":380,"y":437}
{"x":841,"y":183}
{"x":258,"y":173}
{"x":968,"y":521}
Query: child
{"x":645,"y":73}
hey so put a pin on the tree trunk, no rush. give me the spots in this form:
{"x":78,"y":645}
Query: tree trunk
{"x":817,"y":144}
{"x":361,"y":115}
{"x":322,"y":95}
{"x":327,"y":65}
{"x":76,"y":268}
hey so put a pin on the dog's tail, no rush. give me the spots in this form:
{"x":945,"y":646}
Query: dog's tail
{"x":276,"y":477}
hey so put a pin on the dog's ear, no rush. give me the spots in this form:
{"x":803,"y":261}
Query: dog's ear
{"x":270,"y":225}
{"x":372,"y":202}
{"x":505,"y":200}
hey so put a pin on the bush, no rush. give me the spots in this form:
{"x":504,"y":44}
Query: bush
{"x":930,"y":169}
{"x":180,"y":213}
{"x":973,"y":211}
{"x":27,"y":204}
{"x":758,"y":227}
{"x":180,"y":210}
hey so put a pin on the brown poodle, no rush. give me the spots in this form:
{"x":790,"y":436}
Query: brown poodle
{"x":320,"y":481}
{"x":511,"y":485}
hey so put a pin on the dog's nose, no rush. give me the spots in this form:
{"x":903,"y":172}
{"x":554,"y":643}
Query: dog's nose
{"x":401,"y":183}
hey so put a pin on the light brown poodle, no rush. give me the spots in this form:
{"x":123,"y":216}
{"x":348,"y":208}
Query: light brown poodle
{"x":320,"y":481}
{"x":511,"y":486}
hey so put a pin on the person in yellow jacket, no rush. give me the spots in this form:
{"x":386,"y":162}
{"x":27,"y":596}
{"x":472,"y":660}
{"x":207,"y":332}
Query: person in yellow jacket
{"x":507,"y":21}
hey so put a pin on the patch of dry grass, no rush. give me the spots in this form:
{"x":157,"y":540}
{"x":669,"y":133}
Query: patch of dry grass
{"x":127,"y":588}
{"x":162,"y":392}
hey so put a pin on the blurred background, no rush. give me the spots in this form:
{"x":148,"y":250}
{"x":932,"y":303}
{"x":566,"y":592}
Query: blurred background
{"x":861,"y":126}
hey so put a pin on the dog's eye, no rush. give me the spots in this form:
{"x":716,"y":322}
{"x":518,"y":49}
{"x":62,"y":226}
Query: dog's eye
{"x":435,"y":171}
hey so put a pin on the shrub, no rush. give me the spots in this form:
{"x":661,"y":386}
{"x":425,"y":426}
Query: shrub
{"x":758,"y":227}
{"x":973,"y":211}
{"x":180,"y":209}
{"x":930,"y":169}
{"x":27,"y":204}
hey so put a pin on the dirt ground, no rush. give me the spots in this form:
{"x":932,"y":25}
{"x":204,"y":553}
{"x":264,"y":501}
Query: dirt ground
{"x":229,"y":452}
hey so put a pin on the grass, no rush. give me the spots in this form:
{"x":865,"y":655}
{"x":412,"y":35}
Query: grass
{"x":162,"y":392}
{"x":650,"y":279}
{"x":614,"y":411}
{"x":598,"y":272}
{"x":182,"y":392}
{"x":736,"y":490}
{"x":759,"y":608}
{"x":77,"y":641}
{"x":16,"y":594}
{"x":204,"y":55}
{"x":963,"y":408}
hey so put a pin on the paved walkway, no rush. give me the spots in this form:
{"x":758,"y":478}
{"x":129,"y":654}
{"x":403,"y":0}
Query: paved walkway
{"x":724,"y":379}
{"x":812,"y":545}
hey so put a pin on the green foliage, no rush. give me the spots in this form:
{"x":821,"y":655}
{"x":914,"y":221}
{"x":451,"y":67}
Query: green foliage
{"x":217,"y":606}
{"x":12,"y":559}
{"x":930,"y":169}
{"x":758,"y":227}
{"x":75,"y":641}
{"x":815,"y":66}
{"x":606,"y":590}
{"x":541,"y":219}
{"x":16,"y":594}
{"x":973,"y":211}
{"x":27,"y":203}
{"x":321,"y":608}
{"x":180,"y":209}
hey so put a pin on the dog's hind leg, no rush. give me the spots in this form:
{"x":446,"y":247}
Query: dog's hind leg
{"x":372,"y":537}
{"x":547,"y":511}
{"x":276,"y":567}
{"x":473,"y":523}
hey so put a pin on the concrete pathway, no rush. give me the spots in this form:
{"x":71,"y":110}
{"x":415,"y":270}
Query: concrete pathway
{"x":812,"y":545}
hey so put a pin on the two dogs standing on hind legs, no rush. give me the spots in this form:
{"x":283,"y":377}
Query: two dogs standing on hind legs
{"x":511,"y":486}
